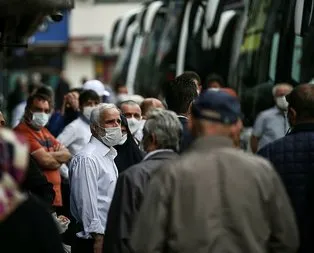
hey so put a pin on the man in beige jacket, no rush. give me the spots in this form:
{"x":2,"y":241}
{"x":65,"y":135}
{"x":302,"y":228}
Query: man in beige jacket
{"x":216,"y":199}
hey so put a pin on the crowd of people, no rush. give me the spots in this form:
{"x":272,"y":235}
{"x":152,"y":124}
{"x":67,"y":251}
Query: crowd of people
{"x":128,"y":174}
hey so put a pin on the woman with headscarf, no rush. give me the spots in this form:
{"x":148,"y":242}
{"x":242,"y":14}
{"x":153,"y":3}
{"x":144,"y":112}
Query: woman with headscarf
{"x":25,"y":224}
{"x":128,"y":151}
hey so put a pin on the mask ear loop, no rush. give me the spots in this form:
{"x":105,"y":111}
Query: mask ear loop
{"x":289,"y":131}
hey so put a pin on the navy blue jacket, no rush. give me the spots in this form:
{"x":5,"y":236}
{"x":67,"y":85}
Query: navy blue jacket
{"x":186,"y":138}
{"x":293,"y":158}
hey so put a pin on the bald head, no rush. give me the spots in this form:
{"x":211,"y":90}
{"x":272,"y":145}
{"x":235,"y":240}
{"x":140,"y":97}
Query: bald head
{"x":149,"y":104}
{"x":301,"y":104}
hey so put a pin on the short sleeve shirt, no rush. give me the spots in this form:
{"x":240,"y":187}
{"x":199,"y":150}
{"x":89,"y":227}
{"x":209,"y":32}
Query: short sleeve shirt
{"x":38,"y":139}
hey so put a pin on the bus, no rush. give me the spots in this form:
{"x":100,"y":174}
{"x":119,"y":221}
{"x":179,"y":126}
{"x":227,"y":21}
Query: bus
{"x":272,"y":51}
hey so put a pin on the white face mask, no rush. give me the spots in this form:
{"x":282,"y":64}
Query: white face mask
{"x":87,"y":111}
{"x":282,"y":103}
{"x":143,"y":121}
{"x":40,"y":119}
{"x":134,"y":125}
{"x":123,"y":140}
{"x":112,"y":137}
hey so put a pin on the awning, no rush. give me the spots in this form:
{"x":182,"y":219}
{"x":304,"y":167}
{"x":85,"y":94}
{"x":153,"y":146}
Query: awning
{"x":87,"y":45}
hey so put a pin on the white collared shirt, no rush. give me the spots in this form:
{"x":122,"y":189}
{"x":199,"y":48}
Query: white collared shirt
{"x":93,"y":177}
{"x":75,"y":135}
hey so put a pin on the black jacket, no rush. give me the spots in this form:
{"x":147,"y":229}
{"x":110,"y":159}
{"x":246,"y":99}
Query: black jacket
{"x":127,"y":200}
{"x":186,"y":138}
{"x":37,"y":185}
{"x":30,"y":228}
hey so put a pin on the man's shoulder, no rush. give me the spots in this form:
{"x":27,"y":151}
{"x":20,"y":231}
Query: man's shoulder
{"x":78,"y":122}
{"x":88,"y":151}
{"x":134,"y":171}
{"x":226,"y":156}
{"x":22,"y":127}
{"x":286,"y":143}
{"x":74,"y":127}
{"x":142,"y":170}
{"x":268,"y":113}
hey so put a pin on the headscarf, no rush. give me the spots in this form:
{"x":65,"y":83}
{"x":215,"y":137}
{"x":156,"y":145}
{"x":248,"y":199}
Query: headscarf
{"x":13,"y":165}
{"x":129,"y":152}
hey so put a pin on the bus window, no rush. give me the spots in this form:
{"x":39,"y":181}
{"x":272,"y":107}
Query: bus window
{"x":296,"y":59}
{"x":273,"y":56}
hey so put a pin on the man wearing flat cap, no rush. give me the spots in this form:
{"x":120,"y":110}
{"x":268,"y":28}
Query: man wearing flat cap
{"x":216,"y":198}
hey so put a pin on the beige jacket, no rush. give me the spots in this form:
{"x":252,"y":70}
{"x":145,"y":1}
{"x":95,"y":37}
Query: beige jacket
{"x":216,"y":199}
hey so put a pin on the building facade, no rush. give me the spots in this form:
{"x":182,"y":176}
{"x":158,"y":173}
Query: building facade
{"x":90,"y":27}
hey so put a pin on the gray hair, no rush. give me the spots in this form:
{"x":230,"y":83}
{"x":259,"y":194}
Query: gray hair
{"x":99,"y":110}
{"x":286,"y":85}
{"x":166,"y":127}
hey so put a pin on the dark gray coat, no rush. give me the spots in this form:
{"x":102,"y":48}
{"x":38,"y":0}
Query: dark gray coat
{"x":127,"y":200}
{"x":215,"y":199}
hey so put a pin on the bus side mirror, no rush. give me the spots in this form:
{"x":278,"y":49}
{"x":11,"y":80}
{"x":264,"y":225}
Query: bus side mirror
{"x":214,"y":10}
{"x":303,"y":16}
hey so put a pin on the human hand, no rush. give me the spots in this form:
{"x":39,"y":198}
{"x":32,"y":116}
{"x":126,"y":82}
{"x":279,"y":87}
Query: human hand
{"x":98,"y":243}
{"x":72,"y":100}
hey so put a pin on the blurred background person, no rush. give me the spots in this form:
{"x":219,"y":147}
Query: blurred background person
{"x":98,"y":87}
{"x":25,"y":223}
{"x":17,"y":100}
{"x":35,"y":82}
{"x":293,"y":159}
{"x":213,"y":81}
{"x":149,"y":104}
{"x":63,"y":87}
{"x":69,"y":112}
{"x":77,"y":134}
{"x":272,"y":124}
{"x":196,"y":78}
{"x":179,"y":95}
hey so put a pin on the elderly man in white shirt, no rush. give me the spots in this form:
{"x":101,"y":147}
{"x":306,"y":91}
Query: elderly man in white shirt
{"x":93,"y":176}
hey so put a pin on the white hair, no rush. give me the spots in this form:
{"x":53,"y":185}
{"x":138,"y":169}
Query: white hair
{"x":98,"y":112}
{"x":286,"y":85}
